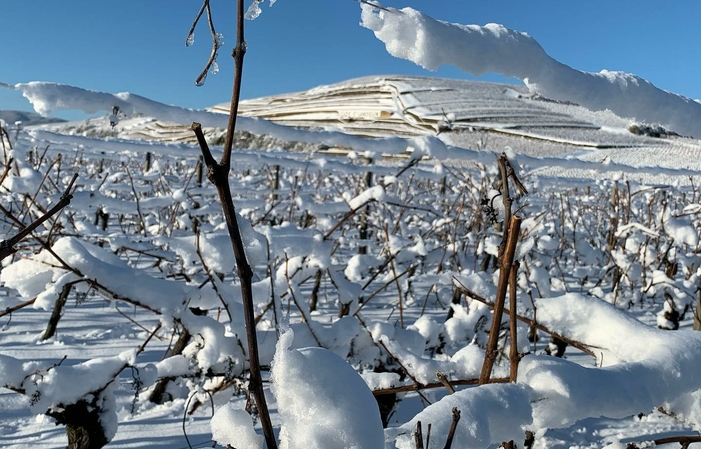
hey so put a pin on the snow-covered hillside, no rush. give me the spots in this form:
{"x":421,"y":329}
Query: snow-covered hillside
{"x":456,"y":120}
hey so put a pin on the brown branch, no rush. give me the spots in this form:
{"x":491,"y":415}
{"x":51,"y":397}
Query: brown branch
{"x":453,"y":427}
{"x":506,"y":261}
{"x":9,"y":310}
{"x":7,"y":247}
{"x":514,"y":356}
{"x":429,"y":386}
{"x":384,"y":286}
{"x":218,"y":174}
{"x":472,"y":295}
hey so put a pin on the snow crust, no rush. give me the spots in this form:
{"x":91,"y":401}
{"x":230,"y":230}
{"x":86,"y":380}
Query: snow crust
{"x":416,"y":37}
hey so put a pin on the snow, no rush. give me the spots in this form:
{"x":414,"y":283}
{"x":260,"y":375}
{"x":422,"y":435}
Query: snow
{"x":47,"y":97}
{"x":322,"y":401}
{"x":132,"y":284}
{"x":232,"y":426}
{"x":375,"y":193}
{"x":414,"y":36}
{"x":488,"y":414}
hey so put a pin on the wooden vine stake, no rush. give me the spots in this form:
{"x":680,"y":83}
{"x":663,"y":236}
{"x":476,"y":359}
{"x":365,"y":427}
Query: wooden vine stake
{"x":218,"y":174}
{"x":507,"y":249}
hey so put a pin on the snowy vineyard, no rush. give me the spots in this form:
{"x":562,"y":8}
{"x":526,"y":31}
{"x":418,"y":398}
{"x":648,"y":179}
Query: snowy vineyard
{"x":374,"y":281}
{"x":407,"y":293}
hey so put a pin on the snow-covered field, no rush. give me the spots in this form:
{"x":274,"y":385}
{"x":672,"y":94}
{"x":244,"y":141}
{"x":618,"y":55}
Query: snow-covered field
{"x":374,"y":264}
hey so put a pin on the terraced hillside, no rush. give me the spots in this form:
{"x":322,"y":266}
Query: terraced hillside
{"x":464,"y":114}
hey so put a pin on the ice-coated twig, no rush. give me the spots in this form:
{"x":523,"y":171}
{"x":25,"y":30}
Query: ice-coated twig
{"x":216,"y":42}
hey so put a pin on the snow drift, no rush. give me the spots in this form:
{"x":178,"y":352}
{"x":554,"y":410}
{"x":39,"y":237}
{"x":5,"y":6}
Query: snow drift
{"x":430,"y":43}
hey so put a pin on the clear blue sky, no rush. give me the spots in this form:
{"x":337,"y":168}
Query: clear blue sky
{"x":139,"y":45}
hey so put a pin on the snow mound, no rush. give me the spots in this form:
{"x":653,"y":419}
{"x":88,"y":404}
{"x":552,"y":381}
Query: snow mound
{"x":323,"y":402}
{"x":232,"y":426}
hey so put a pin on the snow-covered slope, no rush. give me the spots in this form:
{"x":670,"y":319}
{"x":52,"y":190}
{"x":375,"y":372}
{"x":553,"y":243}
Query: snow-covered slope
{"x":466,"y":114}
{"x":378,"y":106}
{"x":453,"y":120}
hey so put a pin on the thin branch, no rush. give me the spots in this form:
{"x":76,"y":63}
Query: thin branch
{"x":7,"y":247}
{"x":210,"y":277}
{"x":581,"y":346}
{"x":9,"y":310}
{"x":453,"y":427}
{"x":428,"y":386}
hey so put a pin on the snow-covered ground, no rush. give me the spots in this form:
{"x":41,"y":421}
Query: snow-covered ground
{"x":361,"y":248}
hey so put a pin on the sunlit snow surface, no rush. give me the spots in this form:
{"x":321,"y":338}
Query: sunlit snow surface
{"x":554,"y":147}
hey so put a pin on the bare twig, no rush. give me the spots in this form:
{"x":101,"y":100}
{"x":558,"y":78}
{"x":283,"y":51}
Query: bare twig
{"x":7,"y":247}
{"x":506,"y":260}
{"x":444,"y":380}
{"x":9,"y":310}
{"x":138,"y":206}
{"x":396,"y":281}
{"x":453,"y":427}
{"x":211,"y":278}
{"x":141,"y":348}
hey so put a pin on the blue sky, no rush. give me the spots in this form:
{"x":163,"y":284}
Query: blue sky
{"x":139,"y":45}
